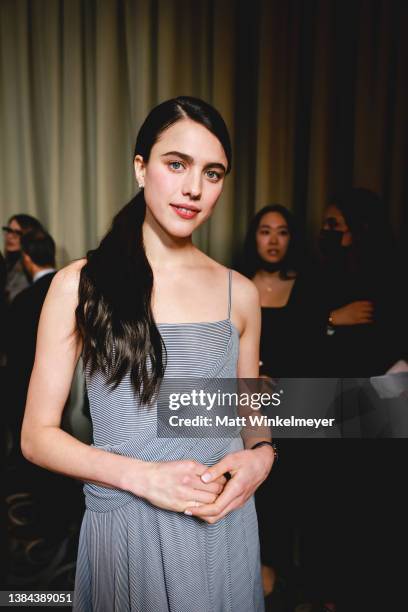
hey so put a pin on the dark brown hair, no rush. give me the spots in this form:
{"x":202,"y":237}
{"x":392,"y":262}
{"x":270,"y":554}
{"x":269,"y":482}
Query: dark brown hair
{"x":114,"y":313}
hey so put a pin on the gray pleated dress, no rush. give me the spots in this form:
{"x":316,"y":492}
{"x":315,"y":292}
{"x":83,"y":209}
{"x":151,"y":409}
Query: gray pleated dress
{"x":136,"y":557}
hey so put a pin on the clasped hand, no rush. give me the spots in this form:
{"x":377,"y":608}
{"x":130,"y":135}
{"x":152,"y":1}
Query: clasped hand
{"x":204,"y":492}
{"x":177,"y":485}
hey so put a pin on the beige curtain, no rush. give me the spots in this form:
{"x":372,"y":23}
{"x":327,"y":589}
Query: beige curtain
{"x":314,"y":93}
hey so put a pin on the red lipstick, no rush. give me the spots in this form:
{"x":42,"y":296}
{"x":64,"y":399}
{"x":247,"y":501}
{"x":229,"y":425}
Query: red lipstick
{"x":185,"y":211}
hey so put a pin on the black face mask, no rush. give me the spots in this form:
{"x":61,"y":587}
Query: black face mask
{"x":330,"y":243}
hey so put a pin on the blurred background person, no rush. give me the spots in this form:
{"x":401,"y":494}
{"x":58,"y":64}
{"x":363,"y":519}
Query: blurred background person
{"x":362,"y":292}
{"x":3,"y":433}
{"x":44,"y":508}
{"x":37,"y":250}
{"x":292,"y":316}
{"x":16,"y":276}
{"x":3,"y":276}
{"x":362,"y":287}
{"x":293,"y":327}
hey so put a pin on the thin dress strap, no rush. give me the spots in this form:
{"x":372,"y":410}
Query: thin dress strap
{"x":229,"y":293}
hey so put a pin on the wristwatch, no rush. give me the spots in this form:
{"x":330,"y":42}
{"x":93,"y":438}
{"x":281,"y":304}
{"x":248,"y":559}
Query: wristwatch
{"x":330,"y":330}
{"x":266,"y":443}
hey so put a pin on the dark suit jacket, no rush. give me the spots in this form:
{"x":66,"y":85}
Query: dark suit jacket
{"x":57,"y":500}
{"x":22,"y":325}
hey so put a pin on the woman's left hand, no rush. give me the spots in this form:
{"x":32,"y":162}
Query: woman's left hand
{"x":248,"y":469}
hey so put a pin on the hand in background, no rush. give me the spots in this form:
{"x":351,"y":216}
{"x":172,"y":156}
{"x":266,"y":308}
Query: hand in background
{"x":355,"y":313}
{"x":398,"y":367}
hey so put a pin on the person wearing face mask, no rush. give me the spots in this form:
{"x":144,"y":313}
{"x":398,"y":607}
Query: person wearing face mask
{"x":17,"y":278}
{"x":366,"y":335}
{"x":360,"y":285}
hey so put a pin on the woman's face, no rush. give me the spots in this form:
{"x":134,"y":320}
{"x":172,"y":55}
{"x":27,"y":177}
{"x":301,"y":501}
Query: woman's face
{"x":333,"y":219}
{"x":183,"y":177}
{"x":12,"y":236}
{"x":272,"y":237}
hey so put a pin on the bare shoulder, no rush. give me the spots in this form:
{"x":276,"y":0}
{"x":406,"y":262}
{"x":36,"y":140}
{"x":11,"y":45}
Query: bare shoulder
{"x":245,"y":311}
{"x":66,"y":280}
{"x":244,"y":291}
{"x":57,"y":327}
{"x":244,"y":294}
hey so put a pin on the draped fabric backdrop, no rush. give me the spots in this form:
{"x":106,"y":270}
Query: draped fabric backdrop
{"x":314,"y":93}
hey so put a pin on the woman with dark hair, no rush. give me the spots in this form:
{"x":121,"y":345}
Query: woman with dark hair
{"x":291,"y":316}
{"x":360,"y":286}
{"x":254,"y":256}
{"x":164,"y":530}
{"x":293,"y":325}
{"x":17,"y":226}
{"x":366,"y":331}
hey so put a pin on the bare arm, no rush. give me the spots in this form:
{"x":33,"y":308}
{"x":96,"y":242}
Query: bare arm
{"x":248,"y":361}
{"x":58,"y":349}
{"x":169,"y":485}
{"x":248,"y":468}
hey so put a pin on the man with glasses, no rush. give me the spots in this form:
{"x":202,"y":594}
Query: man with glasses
{"x":38,"y":257}
{"x":17,"y":279}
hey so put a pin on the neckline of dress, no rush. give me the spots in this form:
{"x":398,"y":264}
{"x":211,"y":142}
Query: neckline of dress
{"x":193,"y":322}
{"x":289,"y":300}
{"x":184,"y":324}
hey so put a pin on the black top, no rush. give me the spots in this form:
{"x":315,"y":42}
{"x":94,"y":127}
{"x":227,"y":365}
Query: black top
{"x":22,"y":322}
{"x":3,"y":276}
{"x":368,"y":349}
{"x":292,"y":335}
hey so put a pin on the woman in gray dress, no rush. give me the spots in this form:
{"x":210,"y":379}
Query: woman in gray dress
{"x":164,"y":530}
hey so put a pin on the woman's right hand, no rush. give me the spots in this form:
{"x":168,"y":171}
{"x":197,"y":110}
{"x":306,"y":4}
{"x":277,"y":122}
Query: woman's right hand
{"x":176,"y":485}
{"x":355,"y":313}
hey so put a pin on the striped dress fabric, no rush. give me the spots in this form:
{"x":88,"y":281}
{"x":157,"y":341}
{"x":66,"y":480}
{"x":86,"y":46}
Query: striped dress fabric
{"x":135,"y":557}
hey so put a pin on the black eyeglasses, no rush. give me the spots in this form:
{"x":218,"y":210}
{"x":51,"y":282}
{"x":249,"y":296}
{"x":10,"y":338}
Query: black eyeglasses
{"x":10,"y":230}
